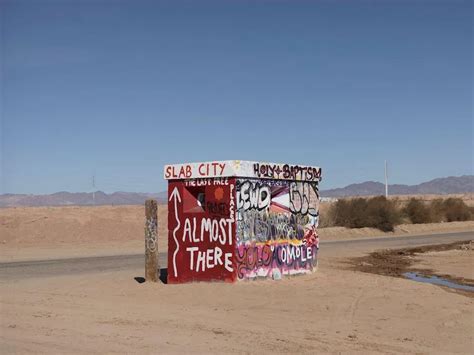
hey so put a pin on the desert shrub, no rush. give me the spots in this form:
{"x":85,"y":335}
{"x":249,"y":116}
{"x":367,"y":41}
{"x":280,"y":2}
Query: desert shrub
{"x":450,"y":210}
{"x":357,"y":217}
{"x":326,"y":215}
{"x":349,"y":213}
{"x":456,"y":210}
{"x":418,"y":212}
{"x":437,"y":210}
{"x":340,"y":213}
{"x":382,"y":214}
{"x":376,"y":212}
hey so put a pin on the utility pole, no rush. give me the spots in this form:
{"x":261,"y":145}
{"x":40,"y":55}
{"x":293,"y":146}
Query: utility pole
{"x":386,"y":180}
{"x":93,"y":189}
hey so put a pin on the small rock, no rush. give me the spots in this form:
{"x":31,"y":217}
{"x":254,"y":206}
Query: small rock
{"x":276,"y":275}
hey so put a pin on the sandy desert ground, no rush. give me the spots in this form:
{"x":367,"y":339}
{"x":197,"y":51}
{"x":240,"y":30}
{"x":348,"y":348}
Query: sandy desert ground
{"x":336,"y":309}
{"x":333,"y":310}
{"x":457,"y":263}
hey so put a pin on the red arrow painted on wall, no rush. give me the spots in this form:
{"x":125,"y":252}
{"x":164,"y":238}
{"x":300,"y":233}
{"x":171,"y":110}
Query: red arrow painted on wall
{"x":176,"y":197}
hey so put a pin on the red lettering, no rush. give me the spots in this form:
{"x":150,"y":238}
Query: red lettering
{"x":168,"y":171}
{"x":200,"y":171}
{"x":188,"y":171}
{"x":222,"y":166}
{"x":214,"y":165}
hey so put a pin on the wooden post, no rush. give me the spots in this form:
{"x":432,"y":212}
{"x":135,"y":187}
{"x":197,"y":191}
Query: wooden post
{"x":151,"y":241}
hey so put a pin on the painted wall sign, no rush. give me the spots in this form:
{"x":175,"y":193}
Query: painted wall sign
{"x":201,"y":228}
{"x":240,"y":168}
{"x":198,"y":170}
{"x":234,"y":228}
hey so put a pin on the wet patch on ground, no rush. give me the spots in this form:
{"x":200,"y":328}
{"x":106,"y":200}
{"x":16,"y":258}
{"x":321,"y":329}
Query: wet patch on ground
{"x":436,"y":280}
{"x":399,"y":263}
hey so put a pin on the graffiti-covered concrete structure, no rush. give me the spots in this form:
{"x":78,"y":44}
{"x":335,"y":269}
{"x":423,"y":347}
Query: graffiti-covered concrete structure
{"x":235,"y":220}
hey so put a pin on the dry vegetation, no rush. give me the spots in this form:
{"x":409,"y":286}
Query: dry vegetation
{"x":384,"y":214}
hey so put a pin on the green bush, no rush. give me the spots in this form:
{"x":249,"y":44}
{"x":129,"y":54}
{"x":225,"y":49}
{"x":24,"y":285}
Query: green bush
{"x":418,"y":212}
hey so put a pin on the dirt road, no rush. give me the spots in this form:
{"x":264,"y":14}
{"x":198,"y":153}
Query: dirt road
{"x":99,"y":264}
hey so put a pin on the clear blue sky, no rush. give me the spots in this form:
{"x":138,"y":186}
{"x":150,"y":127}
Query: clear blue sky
{"x":120,"y":88}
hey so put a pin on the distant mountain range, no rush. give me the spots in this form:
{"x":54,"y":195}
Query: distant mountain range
{"x":80,"y":199}
{"x":441,"y":186}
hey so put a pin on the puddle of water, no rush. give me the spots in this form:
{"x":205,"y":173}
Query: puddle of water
{"x":436,"y":280}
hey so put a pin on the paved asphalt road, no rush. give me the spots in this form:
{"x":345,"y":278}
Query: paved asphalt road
{"x":49,"y":268}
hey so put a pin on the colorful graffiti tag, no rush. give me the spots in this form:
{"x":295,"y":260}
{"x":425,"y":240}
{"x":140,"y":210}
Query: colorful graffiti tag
{"x":228,"y":227}
{"x":276,"y":227}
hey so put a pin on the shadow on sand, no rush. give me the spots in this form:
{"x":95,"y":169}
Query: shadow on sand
{"x":163,"y":277}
